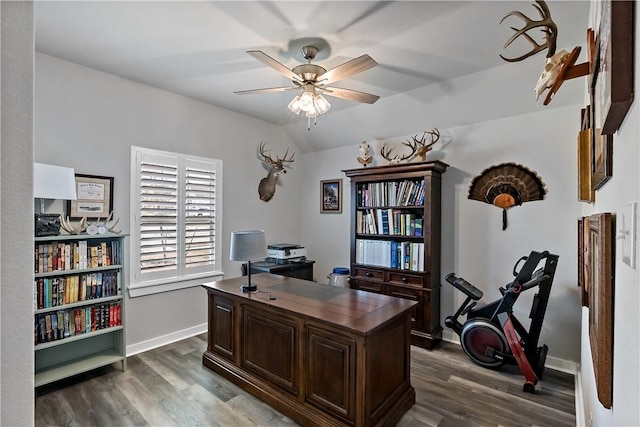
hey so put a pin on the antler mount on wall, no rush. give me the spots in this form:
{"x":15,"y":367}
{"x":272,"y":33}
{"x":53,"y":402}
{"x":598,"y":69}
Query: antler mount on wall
{"x":559,"y":66}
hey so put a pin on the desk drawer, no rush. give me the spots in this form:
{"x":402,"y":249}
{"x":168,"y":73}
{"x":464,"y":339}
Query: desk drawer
{"x":368,"y":274}
{"x":406,"y":279}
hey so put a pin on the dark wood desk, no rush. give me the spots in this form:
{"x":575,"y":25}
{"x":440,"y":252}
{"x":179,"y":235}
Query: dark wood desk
{"x":302,"y":270}
{"x":322,"y":355}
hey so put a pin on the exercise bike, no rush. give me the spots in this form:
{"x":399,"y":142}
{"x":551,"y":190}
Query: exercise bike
{"x":492,"y":336}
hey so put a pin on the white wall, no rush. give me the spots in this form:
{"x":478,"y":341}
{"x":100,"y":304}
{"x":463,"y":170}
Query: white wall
{"x":623,"y":188}
{"x":16,"y":203}
{"x":473,"y":242}
{"x":88,"y":120}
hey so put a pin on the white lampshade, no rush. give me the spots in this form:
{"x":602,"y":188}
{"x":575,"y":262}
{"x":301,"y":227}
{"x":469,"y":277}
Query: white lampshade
{"x":248,"y":245}
{"x":53,"y":182}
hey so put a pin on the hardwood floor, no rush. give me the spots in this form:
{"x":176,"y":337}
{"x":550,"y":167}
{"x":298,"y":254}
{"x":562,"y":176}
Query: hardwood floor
{"x":169,"y":386}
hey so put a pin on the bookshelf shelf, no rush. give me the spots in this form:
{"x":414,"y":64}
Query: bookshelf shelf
{"x":395,"y":238}
{"x":76,"y":366}
{"x":68,"y":340}
{"x":79,"y":320}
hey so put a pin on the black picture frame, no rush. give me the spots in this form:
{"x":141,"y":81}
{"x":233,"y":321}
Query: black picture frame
{"x":331,"y":196}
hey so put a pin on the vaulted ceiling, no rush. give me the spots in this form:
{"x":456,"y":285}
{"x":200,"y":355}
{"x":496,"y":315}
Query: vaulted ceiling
{"x":198,"y":49}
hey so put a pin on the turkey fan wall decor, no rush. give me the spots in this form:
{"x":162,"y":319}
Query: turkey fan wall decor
{"x":507,"y":185}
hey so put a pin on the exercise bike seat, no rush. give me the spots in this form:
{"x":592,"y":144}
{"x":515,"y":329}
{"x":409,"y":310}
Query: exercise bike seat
{"x":464,"y":286}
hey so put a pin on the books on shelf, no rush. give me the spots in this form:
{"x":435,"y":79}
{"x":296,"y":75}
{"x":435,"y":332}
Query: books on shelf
{"x":81,"y":254}
{"x":390,"y":254}
{"x":62,"y":324}
{"x":391,"y":222}
{"x":61,"y":290}
{"x":390,"y":193}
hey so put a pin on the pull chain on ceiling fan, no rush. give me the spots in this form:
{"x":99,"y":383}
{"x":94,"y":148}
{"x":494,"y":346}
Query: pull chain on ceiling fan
{"x":313,"y":80}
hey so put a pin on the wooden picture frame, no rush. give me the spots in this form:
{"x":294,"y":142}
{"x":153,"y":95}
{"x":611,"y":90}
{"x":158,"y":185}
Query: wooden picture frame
{"x":331,"y":196}
{"x":614,"y":63}
{"x":95,"y":197}
{"x":599,"y":266}
{"x":583,"y":274}
{"x":601,"y":145}
{"x":585,"y":190}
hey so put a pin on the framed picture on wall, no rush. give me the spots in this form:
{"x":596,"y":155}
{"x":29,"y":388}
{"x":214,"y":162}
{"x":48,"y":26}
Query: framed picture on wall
{"x":614,"y":63}
{"x":600,"y":285}
{"x":95,"y":197}
{"x":331,"y":196}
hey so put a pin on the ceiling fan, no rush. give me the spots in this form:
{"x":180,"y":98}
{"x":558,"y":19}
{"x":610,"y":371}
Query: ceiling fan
{"x":314,"y":81}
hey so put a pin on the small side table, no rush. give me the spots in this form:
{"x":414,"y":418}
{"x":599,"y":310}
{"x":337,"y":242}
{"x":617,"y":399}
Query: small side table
{"x":301,"y":270}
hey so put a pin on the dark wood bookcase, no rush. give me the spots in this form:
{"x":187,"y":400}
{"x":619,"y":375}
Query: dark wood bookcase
{"x":391,"y":258}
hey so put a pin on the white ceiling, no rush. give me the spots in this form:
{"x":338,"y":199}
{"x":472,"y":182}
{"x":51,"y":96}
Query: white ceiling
{"x":197,"y":49}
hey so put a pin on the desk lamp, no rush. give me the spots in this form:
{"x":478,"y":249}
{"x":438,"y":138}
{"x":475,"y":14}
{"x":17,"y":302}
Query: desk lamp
{"x":51,"y":182}
{"x":246,"y":246}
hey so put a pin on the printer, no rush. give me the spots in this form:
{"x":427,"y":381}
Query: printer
{"x":286,"y":251}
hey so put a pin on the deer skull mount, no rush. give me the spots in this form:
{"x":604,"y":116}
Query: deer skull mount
{"x":267,"y":186}
{"x":558,"y":67}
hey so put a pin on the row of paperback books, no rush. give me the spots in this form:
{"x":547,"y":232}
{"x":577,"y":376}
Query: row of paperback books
{"x":56,"y":291}
{"x":67,"y":323}
{"x":390,"y":193}
{"x":392,"y":222}
{"x":385,"y":253}
{"x":59,"y":256}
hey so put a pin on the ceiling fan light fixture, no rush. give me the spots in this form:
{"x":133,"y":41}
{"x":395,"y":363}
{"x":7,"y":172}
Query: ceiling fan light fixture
{"x":294,"y":105}
{"x":307,"y":101}
{"x":321,"y":104}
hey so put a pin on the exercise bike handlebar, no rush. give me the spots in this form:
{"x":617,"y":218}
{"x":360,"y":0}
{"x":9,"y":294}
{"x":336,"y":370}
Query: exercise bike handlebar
{"x":464,"y":286}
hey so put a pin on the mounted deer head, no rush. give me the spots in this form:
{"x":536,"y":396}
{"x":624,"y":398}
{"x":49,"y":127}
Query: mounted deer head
{"x":267,"y":186}
{"x":559,"y":66}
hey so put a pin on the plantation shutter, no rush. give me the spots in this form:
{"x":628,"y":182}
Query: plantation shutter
{"x":200,"y":215}
{"x":176,"y":219}
{"x":158,"y":216}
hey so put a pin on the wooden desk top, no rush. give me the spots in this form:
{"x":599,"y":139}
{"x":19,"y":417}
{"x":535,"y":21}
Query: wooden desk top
{"x":358,"y":311}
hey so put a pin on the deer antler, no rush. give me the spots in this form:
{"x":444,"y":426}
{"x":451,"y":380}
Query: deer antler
{"x":550,"y":31}
{"x":385,"y":152}
{"x":267,"y":157}
{"x":66,"y":226}
{"x":413,"y":145}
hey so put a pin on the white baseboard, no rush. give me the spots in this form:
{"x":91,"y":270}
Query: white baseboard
{"x":165,"y":339}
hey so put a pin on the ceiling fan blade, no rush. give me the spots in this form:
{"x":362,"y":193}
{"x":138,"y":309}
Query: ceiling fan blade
{"x":351,"y":95}
{"x":348,"y":69}
{"x":265,"y":90}
{"x":269,"y":61}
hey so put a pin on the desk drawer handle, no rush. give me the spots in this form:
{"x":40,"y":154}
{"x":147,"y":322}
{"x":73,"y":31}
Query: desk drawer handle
{"x":405,"y":279}
{"x":368,"y":274}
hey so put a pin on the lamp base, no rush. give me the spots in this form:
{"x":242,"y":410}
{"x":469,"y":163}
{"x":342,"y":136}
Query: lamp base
{"x":249,"y":288}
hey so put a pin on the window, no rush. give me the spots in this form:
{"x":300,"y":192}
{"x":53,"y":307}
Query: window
{"x":175,"y":220}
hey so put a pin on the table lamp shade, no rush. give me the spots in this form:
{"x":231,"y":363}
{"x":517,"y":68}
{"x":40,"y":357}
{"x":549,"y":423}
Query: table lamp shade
{"x":53,"y":182}
{"x":248,"y":245}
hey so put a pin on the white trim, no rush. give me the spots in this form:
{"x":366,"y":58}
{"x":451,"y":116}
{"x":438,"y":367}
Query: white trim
{"x":156,"y":287}
{"x":554,"y":363}
{"x":581,"y":420}
{"x":143,"y":346}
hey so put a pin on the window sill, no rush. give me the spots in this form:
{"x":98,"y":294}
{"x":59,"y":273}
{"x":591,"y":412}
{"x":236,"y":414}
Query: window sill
{"x":156,"y":287}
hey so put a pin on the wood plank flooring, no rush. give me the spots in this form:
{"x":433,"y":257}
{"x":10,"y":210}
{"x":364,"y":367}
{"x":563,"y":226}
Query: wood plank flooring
{"x":169,"y":386}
